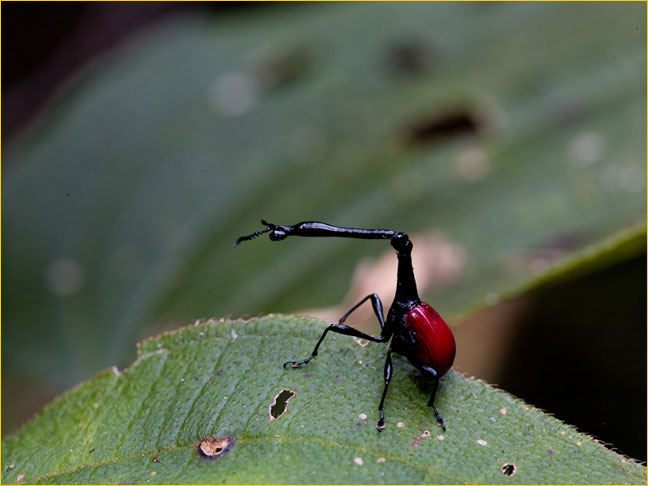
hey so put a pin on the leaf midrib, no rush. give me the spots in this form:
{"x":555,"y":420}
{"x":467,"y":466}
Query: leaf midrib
{"x":242,"y":439}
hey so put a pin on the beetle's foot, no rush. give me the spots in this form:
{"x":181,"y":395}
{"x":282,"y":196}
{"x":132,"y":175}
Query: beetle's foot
{"x":380,"y":425}
{"x":440,"y":420}
{"x":297,"y":364}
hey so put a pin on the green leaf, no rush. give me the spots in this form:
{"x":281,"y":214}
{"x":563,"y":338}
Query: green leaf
{"x":219,"y":379}
{"x":120,"y":208}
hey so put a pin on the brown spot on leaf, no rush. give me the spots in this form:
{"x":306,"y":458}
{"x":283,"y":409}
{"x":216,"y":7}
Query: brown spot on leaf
{"x":424,"y":435}
{"x":211,"y":447}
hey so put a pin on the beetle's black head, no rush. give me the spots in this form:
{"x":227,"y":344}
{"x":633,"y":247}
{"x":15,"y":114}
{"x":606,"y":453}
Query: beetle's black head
{"x":401,"y":243}
{"x":277,"y":234}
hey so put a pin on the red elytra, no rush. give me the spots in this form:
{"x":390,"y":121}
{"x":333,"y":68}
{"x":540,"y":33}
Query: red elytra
{"x":436,"y":344}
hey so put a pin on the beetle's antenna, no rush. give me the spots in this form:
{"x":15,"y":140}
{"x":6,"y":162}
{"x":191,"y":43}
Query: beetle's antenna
{"x":270,"y":227}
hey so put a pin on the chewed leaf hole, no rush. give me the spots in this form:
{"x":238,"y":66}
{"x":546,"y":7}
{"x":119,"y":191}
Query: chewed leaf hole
{"x":212,"y":447}
{"x":280,"y":404}
{"x":446,"y":125}
{"x":509,"y":469}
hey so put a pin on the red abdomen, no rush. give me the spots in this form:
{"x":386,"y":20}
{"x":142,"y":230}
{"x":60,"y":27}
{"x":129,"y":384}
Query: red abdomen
{"x":436,"y":344}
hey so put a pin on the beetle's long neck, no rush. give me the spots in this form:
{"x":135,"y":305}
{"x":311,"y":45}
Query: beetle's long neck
{"x":405,"y":283}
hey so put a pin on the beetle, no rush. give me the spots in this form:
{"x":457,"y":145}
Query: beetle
{"x":412,"y":328}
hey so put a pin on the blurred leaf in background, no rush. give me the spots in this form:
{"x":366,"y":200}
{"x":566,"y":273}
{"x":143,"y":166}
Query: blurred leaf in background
{"x":510,"y":135}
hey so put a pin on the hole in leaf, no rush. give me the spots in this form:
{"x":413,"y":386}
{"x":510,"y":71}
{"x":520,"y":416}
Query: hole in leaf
{"x":212,"y":447}
{"x":280,"y":404}
{"x":447,"y":125}
{"x":509,"y":469}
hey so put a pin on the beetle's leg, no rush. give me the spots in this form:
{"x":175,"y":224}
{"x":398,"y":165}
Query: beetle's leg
{"x":377,"y":307}
{"x":340,"y":329}
{"x":388,"y":374}
{"x":435,"y":386}
{"x":440,"y":421}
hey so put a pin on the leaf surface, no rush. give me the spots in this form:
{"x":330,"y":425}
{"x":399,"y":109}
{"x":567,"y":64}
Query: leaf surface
{"x":219,"y":379}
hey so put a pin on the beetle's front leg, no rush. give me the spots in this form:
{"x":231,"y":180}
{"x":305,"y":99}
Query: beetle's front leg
{"x":340,"y":329}
{"x":349,"y":331}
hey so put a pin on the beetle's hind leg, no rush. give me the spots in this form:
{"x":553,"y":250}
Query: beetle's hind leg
{"x":431,"y":373}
